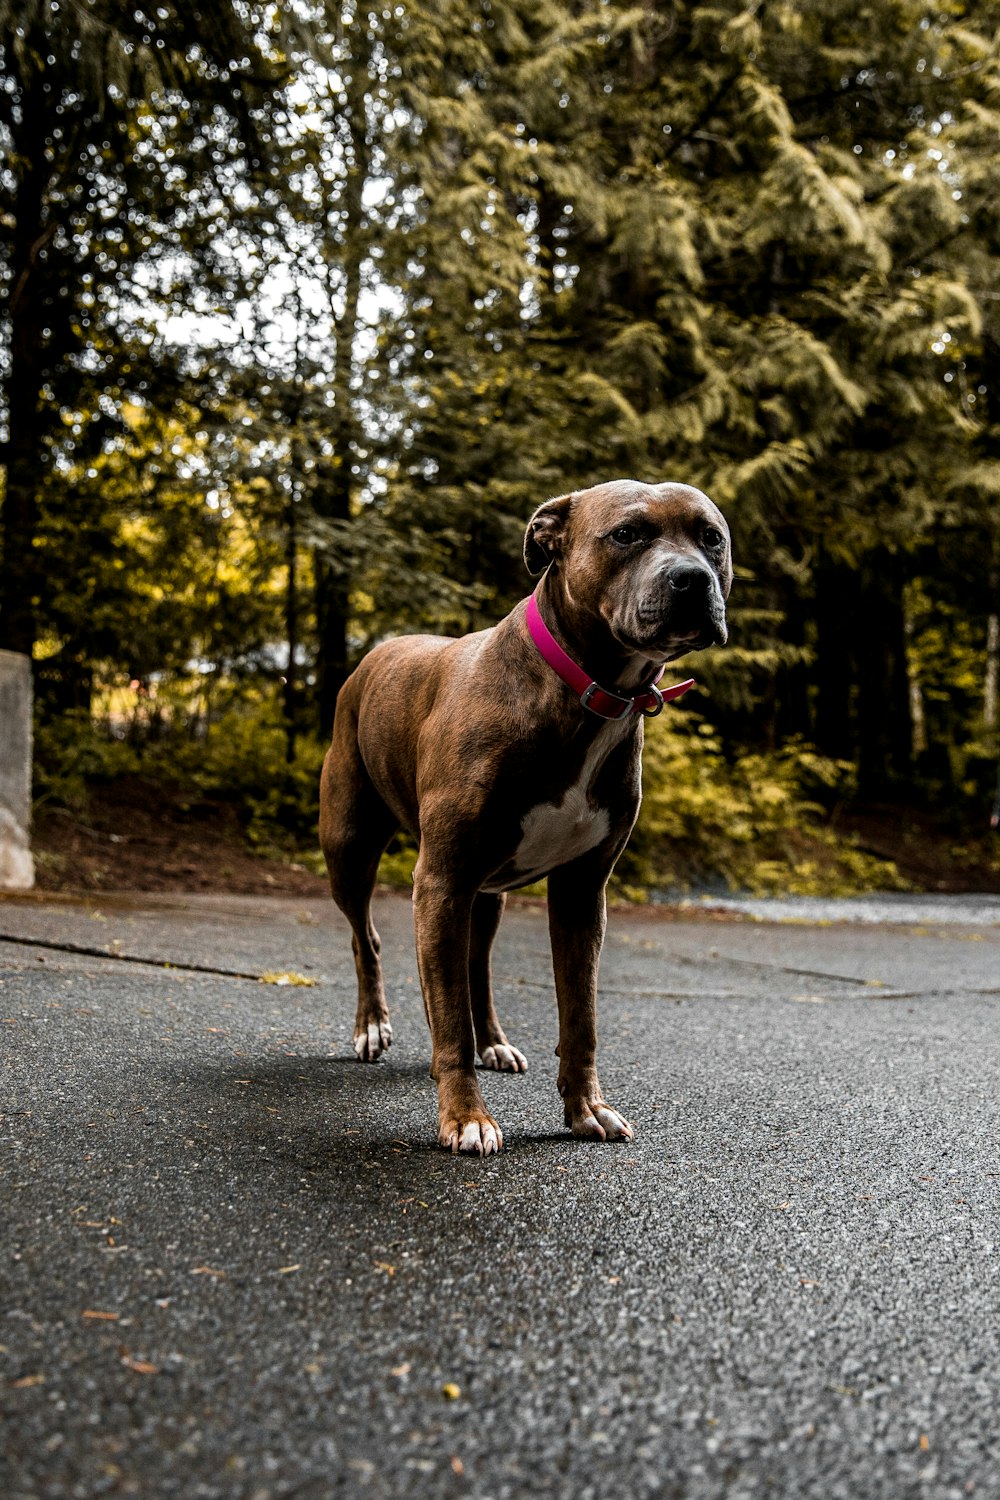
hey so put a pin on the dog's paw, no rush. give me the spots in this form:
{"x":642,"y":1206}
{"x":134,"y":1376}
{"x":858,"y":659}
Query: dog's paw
{"x":372,"y":1040}
{"x":592,"y":1119}
{"x":481,"y":1134}
{"x":504,"y":1059}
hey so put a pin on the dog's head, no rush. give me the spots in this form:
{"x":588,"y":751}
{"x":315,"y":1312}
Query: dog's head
{"x":653,"y":560}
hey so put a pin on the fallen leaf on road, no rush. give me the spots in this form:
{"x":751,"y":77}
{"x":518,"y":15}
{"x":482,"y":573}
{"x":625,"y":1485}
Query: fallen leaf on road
{"x":382,"y":1265}
{"x":925,"y":1442}
{"x":140,"y":1366}
{"x":287,"y":977}
{"x":400,"y":1370}
{"x":287,"y":1270}
{"x":206,"y":1271}
{"x":26,"y":1381}
{"x":450,"y":1391}
{"x":457,"y":1466}
{"x":780,"y":1206}
{"x":102,"y":1317}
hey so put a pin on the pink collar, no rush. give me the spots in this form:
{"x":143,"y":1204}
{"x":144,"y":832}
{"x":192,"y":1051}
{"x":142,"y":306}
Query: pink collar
{"x":599,"y":700}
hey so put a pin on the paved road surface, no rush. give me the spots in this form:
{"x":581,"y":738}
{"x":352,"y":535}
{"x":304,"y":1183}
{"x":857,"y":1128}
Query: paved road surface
{"x":233,"y":1264}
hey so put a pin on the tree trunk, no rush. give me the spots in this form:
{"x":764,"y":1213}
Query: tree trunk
{"x":791,"y":714}
{"x":331,"y":628}
{"x":991,"y":683}
{"x":334,"y":497}
{"x":917,"y":716}
{"x":885,"y":729}
{"x":835,"y":603}
{"x":291,"y":630}
{"x":25,"y":454}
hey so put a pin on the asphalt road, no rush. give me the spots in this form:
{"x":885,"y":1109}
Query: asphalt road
{"x":234,"y":1264}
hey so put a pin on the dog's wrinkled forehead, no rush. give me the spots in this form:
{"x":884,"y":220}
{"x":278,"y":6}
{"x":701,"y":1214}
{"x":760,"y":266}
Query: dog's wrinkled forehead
{"x":574,"y":525}
{"x":667,"y":507}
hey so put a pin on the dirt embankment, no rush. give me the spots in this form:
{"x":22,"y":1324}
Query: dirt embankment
{"x":139,"y":836}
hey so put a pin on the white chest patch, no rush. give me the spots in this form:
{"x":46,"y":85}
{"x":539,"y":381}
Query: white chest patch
{"x":553,"y":833}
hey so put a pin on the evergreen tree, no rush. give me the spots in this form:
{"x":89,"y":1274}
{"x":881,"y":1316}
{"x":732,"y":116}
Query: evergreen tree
{"x":715,"y":243}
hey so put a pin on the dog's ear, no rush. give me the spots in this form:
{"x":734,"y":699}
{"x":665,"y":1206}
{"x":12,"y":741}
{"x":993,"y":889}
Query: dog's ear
{"x":544,"y":536}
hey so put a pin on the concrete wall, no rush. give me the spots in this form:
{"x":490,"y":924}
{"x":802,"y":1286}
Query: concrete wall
{"x":17,"y":868}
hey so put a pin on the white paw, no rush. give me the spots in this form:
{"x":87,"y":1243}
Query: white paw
{"x":504,"y":1059}
{"x":481,"y":1136}
{"x":615,"y":1128}
{"x":599,"y":1122}
{"x":371,"y":1043}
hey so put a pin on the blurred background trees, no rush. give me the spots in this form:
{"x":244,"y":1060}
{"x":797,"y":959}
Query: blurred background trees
{"x":307,"y":306}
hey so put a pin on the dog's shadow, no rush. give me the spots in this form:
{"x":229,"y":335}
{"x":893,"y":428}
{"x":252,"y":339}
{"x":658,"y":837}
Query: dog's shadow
{"x":329,"y":1116}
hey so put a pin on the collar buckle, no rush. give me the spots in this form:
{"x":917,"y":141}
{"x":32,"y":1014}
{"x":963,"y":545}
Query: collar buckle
{"x":628,"y":704}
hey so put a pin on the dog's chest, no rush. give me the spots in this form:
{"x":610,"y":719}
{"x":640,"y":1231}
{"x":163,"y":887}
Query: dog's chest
{"x":553,"y":833}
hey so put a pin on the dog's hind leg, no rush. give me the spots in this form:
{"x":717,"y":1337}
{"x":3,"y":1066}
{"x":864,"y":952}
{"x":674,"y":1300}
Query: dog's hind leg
{"x":491,"y":1042}
{"x":355,"y":826}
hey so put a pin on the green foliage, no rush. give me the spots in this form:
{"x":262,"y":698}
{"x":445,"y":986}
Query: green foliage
{"x":750,"y":823}
{"x":305,"y":319}
{"x":753,"y":249}
{"x":397,"y":863}
{"x":240,"y":758}
{"x":244,"y":759}
{"x":71,"y":754}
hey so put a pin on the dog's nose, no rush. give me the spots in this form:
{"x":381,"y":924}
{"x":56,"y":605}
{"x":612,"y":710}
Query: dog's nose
{"x":689,"y":577}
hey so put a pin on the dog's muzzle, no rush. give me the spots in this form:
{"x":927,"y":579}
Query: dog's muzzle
{"x":688,"y":605}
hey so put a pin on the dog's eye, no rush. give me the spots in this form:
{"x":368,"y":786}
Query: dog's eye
{"x":625,"y":535}
{"x":712,"y":538}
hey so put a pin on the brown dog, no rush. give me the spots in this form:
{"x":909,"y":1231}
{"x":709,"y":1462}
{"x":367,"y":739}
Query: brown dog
{"x":484,"y":753}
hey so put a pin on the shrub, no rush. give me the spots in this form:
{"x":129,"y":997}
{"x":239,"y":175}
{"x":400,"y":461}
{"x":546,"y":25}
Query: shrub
{"x":240,"y":758}
{"x":750,"y":823}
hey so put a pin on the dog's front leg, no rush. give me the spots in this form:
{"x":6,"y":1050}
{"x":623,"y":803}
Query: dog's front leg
{"x":577,"y":919}
{"x":442,"y":910}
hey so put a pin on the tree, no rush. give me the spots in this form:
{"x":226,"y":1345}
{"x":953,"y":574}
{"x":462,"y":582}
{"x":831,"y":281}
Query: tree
{"x":717,"y":242}
{"x":121,"y":130}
